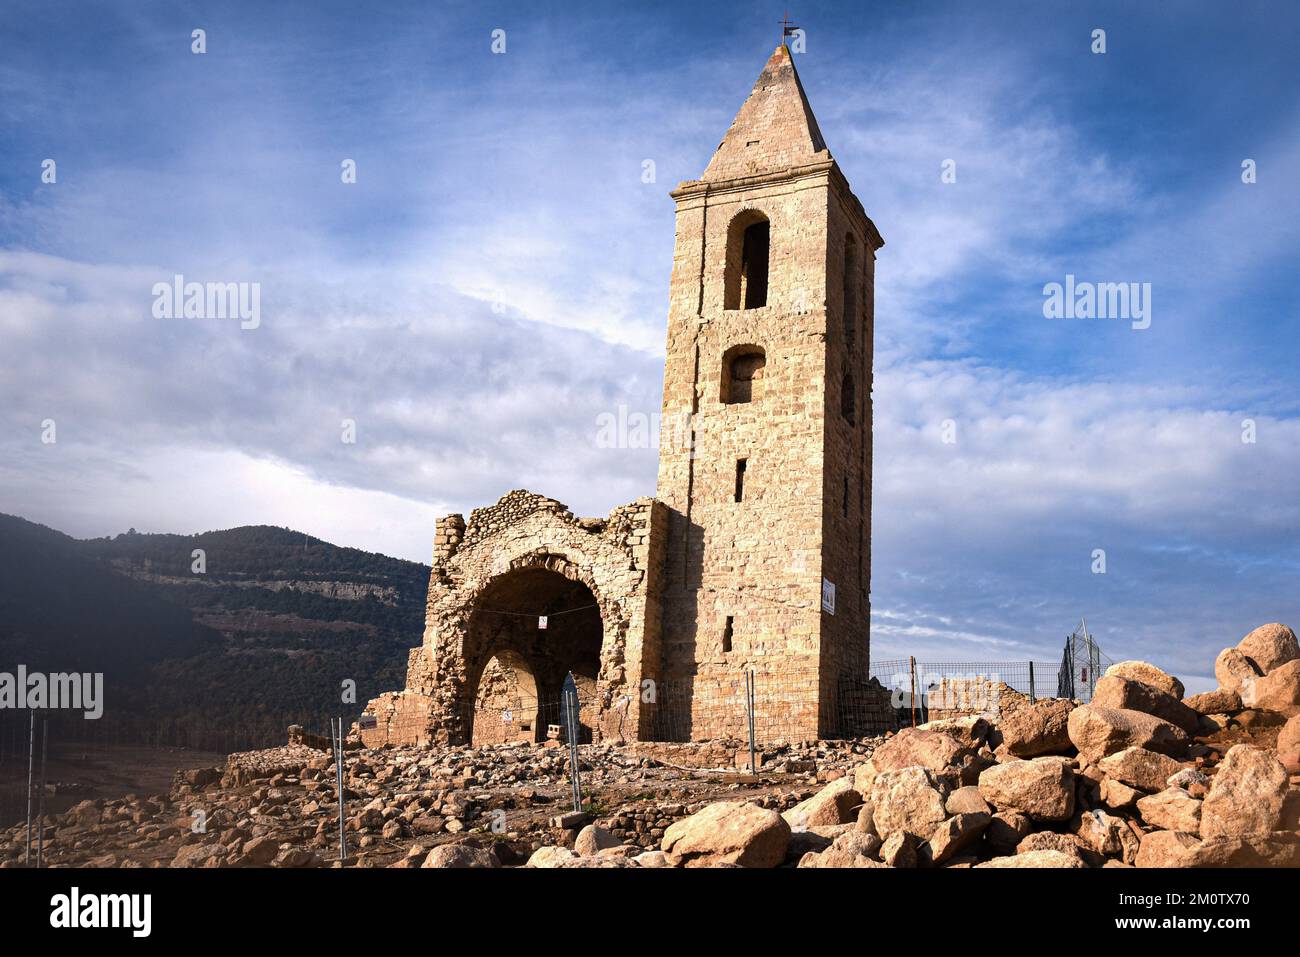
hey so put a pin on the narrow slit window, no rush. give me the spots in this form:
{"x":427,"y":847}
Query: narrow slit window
{"x":727,"y":633}
{"x":741,"y":465}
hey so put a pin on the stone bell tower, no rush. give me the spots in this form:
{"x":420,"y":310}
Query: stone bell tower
{"x":765,"y":459}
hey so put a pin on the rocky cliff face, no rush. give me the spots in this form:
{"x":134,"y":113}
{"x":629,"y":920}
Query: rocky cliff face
{"x":217,"y":640}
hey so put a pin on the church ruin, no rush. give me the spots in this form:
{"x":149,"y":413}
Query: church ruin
{"x":756,"y":552}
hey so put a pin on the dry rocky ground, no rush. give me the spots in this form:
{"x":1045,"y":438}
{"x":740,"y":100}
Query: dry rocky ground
{"x":1141,"y":776}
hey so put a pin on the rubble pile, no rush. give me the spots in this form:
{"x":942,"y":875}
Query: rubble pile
{"x":1142,"y":775}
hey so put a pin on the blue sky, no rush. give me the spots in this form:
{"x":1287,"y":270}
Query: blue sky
{"x":497,"y":278}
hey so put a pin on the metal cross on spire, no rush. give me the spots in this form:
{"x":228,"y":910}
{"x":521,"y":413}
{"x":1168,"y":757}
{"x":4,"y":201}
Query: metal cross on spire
{"x":787,"y":26}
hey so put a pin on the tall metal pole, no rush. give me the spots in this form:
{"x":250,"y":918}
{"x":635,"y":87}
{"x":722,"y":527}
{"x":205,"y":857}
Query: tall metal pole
{"x":40,"y":804}
{"x":911,"y":665}
{"x":338,"y":767}
{"x":1032,"y":697}
{"x":31,"y":754}
{"x":570,"y":701}
{"x":749,"y":701}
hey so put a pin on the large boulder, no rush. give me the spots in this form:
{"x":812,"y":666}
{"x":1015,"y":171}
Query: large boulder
{"x":1053,"y":841}
{"x":1181,"y":849}
{"x":1233,"y":670}
{"x":1106,"y":833}
{"x":1172,"y":809}
{"x":935,"y":750}
{"x":592,"y":839}
{"x":1116,"y":795}
{"x":1279,"y":690}
{"x":730,"y":832}
{"x":967,"y":800}
{"x":852,"y":849}
{"x":459,"y":855}
{"x":837,"y":803}
{"x":1246,"y":795}
{"x":1288,"y":739}
{"x":1167,"y":849}
{"x":1139,"y":768}
{"x":1036,"y":859}
{"x":955,"y":835}
{"x":1027,"y":730}
{"x":1006,"y":830}
{"x":1042,"y":788}
{"x":1097,"y":732}
{"x":1218,"y":701}
{"x":1288,"y":745}
{"x":908,"y":799}
{"x":899,"y":850}
{"x":1116,"y":691}
{"x":968,"y":730}
{"x":1269,"y":646}
{"x":1148,"y":674}
{"x":201,"y":855}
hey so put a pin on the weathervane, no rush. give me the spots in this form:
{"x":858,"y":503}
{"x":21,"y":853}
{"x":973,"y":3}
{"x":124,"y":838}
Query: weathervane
{"x":787,"y":27}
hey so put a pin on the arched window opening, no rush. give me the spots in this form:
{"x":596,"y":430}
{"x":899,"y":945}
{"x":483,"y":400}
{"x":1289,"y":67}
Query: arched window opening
{"x":851,"y":280}
{"x":748,"y":254}
{"x":742,"y":374}
{"x":848,"y":400}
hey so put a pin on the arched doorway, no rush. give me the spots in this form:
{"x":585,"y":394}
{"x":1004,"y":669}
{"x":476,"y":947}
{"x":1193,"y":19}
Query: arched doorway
{"x":517,"y":667}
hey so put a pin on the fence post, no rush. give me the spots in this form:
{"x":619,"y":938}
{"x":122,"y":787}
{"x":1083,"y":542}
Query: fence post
{"x":31,"y":754}
{"x":911,"y":666}
{"x":749,"y":702}
{"x":40,"y":803}
{"x":338,"y":768}
{"x":570,"y":705}
{"x":1032,"y":697}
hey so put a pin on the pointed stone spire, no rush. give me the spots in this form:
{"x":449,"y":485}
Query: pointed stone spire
{"x":774,"y":130}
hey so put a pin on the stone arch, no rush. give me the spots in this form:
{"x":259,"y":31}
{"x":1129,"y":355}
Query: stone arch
{"x":586,"y":634}
{"x":746,"y":274}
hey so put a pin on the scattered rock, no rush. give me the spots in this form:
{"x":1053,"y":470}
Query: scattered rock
{"x":912,"y":747}
{"x":1006,"y":830}
{"x":1042,"y":788}
{"x":592,"y":839}
{"x":953,"y":836}
{"x":1148,"y":674}
{"x":967,"y":800}
{"x":1246,"y":795}
{"x":1048,"y":858}
{"x":907,"y":799}
{"x":1234,"y":671}
{"x":853,"y":849}
{"x":1120,"y":693}
{"x":1171,"y":810}
{"x":1218,"y":701}
{"x":1279,"y":690}
{"x":899,"y":850}
{"x":1270,"y":646}
{"x":730,"y":832}
{"x":837,"y":803}
{"x":1116,"y":795}
{"x":550,"y":855}
{"x":1097,"y":732}
{"x":1139,"y":768}
{"x":1028,"y":730}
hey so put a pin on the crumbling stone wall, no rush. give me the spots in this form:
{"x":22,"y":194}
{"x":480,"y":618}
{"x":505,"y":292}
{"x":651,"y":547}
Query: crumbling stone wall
{"x":493,"y":577}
